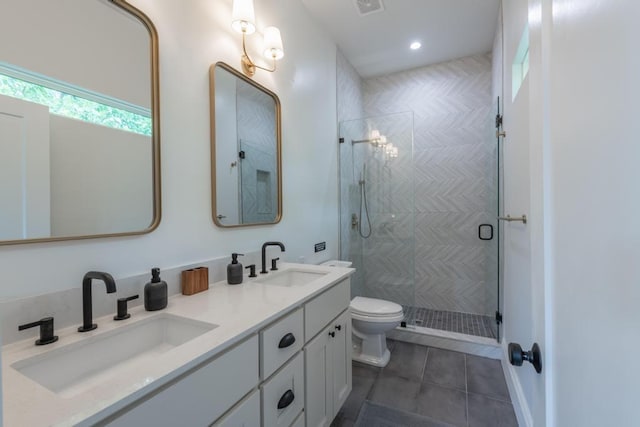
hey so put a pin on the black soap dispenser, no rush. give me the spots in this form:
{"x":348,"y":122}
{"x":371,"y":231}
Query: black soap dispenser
{"x":234,"y":270}
{"x":155,"y":292}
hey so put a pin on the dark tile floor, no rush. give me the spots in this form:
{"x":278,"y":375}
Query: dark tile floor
{"x":452,"y":321}
{"x":450,"y":387}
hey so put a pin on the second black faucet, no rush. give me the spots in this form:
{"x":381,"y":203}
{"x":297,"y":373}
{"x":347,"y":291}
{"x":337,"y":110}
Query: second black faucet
{"x":264,"y":255}
{"x":87,"y":308}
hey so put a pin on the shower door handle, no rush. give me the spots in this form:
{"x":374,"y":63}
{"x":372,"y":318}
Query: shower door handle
{"x":483,"y":236}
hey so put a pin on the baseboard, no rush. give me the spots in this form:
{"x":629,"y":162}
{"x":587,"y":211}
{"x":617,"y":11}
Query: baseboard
{"x":520,"y":405}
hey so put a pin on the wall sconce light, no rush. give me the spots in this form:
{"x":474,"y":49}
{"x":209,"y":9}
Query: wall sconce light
{"x":375,"y":139}
{"x":243,"y":21}
{"x":391,"y":151}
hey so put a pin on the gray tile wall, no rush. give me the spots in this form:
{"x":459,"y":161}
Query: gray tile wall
{"x":256,"y":115}
{"x":455,"y":186}
{"x":426,"y":206}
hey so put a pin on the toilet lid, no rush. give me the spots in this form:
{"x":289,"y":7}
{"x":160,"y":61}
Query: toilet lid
{"x":374,"y":307}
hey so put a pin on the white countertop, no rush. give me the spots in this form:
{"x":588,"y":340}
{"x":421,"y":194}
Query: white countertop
{"x":238,"y":310}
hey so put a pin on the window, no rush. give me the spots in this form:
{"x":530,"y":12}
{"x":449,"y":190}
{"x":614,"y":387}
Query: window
{"x":68,"y":101}
{"x":520,"y":66}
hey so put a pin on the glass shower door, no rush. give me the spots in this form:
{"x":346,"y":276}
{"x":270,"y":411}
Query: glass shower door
{"x":377,"y":204}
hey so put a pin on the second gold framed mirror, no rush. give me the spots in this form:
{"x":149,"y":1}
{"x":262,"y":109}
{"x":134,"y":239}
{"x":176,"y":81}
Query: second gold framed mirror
{"x":246,"y":170}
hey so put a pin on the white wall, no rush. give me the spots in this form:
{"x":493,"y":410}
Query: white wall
{"x":226,"y":143}
{"x":78,"y":31}
{"x":581,"y":300}
{"x":101,"y":179}
{"x":193,"y":35}
{"x":594,"y":155}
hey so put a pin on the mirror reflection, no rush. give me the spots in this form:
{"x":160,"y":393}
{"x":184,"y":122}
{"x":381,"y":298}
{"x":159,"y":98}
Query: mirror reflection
{"x":245,"y":150}
{"x":78,"y":152}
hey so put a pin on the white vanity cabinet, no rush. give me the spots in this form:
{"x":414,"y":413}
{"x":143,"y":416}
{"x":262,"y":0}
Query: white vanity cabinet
{"x":328,"y":358}
{"x":245,"y":414}
{"x":201,"y":396}
{"x":294,"y":372}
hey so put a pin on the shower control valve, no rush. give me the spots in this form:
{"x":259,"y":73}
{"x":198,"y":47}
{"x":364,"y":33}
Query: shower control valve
{"x":354,"y":221}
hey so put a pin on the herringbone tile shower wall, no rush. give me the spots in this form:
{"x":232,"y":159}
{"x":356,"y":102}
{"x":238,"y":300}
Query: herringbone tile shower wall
{"x":425,"y":206}
{"x":454,"y":186}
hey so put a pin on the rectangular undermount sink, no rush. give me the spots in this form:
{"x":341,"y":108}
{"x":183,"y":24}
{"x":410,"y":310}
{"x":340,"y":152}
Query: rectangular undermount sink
{"x":75,"y":368}
{"x":293,"y":277}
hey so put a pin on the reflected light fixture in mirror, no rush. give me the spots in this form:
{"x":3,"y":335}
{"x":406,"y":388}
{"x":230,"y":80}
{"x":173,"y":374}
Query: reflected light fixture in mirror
{"x":243,"y":22}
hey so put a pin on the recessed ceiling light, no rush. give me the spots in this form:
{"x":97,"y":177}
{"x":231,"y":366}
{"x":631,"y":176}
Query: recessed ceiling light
{"x":415,"y":45}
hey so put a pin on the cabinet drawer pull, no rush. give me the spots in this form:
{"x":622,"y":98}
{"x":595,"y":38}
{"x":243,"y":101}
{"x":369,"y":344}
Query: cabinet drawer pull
{"x":332,"y":334}
{"x":287,"y":340}
{"x":286,"y":399}
{"x":339,"y":327}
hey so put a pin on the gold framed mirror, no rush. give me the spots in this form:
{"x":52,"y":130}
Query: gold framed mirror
{"x":246,"y":166}
{"x":79,"y":121}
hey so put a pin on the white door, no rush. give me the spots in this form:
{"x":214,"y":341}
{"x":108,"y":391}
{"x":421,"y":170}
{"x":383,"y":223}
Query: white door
{"x":24,"y":170}
{"x":524,"y":281}
{"x":318,"y":358}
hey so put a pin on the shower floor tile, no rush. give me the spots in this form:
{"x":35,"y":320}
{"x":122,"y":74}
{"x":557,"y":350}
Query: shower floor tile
{"x":464,"y":323}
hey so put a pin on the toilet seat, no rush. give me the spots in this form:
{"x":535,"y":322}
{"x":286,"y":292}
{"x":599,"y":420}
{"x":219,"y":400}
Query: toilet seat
{"x":378,"y":319}
{"x":375,"y":308}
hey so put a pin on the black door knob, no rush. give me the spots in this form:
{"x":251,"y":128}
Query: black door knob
{"x":332,"y":334}
{"x":517,"y":356}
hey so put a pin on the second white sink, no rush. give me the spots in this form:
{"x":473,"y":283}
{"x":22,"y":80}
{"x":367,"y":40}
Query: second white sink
{"x":293,"y":277}
{"x":75,"y":368}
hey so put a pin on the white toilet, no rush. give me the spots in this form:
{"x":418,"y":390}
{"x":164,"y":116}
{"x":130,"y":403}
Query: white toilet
{"x":371,"y":319}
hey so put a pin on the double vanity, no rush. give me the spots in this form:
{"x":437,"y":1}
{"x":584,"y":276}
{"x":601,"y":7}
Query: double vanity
{"x":273,"y":351}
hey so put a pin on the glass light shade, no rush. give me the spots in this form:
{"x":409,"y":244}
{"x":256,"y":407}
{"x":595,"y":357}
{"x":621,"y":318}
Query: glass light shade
{"x":382,"y":140}
{"x":242,"y":17}
{"x":375,"y":134}
{"x":273,"y":43}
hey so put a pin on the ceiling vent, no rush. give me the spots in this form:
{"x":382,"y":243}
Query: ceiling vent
{"x":367,"y":7}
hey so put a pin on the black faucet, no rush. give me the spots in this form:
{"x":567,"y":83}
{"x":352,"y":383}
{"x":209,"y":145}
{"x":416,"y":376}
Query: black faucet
{"x":264,"y":258}
{"x":87,"y":309}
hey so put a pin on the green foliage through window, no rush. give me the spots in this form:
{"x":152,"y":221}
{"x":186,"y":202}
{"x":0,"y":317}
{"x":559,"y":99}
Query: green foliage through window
{"x":75,"y":107}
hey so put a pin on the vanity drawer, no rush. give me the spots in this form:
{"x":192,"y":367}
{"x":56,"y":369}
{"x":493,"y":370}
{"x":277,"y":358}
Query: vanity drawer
{"x":325,"y":307}
{"x":284,"y":388}
{"x":201,"y":396}
{"x":245,"y":414}
{"x":280,"y":341}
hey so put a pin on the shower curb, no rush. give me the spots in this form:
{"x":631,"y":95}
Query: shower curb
{"x":479,"y":346}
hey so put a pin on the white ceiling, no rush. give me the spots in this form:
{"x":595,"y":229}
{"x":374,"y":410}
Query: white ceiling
{"x":378,"y":43}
